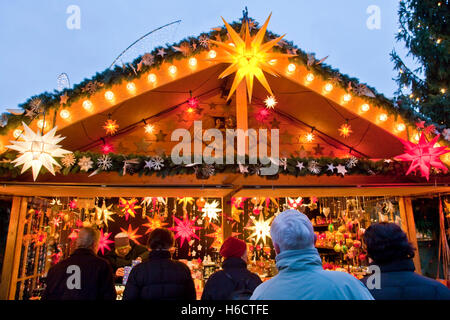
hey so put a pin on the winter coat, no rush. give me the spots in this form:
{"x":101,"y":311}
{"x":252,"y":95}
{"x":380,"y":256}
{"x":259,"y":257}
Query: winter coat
{"x":96,"y":278}
{"x":220,"y":287}
{"x":160,"y":278}
{"x":398,"y":281}
{"x":301,"y":277}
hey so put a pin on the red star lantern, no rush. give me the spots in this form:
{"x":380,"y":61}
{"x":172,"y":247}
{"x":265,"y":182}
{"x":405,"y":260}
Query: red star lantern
{"x":132,"y":234}
{"x":420,"y":124}
{"x":423,"y":155}
{"x":104,"y":242}
{"x":128,"y":207}
{"x":185,"y":229}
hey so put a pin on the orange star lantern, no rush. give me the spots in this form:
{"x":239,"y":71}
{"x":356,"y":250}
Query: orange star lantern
{"x":111,"y":126}
{"x":128,"y":207}
{"x":132,"y":234}
{"x":345,"y":130}
{"x":154,"y":223}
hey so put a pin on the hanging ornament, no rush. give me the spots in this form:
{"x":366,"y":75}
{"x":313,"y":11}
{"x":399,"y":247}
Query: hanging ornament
{"x":185,"y":229}
{"x":295,"y":203}
{"x":270,"y":102}
{"x":73,"y":204}
{"x":341,"y":169}
{"x":68,"y":160}
{"x":313,"y":167}
{"x":423,"y":155}
{"x":200,"y":203}
{"x":104,"y":162}
{"x":132,"y":234}
{"x":261,"y":229}
{"x":211,"y":210}
{"x":154,"y":223}
{"x":107,"y":148}
{"x":85,"y":163}
{"x":155,"y":163}
{"x":249,"y":57}
{"x":104,"y":214}
{"x":185,"y":201}
{"x":345,"y":130}
{"x":38,"y":150}
{"x":351,"y":162}
{"x":111,"y":126}
{"x":128,"y":207}
{"x":73,"y":235}
{"x":104,"y":242}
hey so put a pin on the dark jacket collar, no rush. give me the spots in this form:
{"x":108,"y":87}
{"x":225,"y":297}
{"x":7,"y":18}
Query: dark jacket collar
{"x":83,"y":251}
{"x":159,"y":254}
{"x":396,"y":266}
{"x":233,"y":262}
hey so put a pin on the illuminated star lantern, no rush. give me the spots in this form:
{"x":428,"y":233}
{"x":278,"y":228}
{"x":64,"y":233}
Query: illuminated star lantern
{"x":295,"y":203}
{"x":154,"y":223}
{"x":128,"y":207}
{"x":249,"y":57}
{"x":270,"y":102}
{"x":149,"y":128}
{"x":345,"y":130}
{"x":104,"y":242}
{"x":74,"y":234}
{"x":210,"y":210}
{"x":217,"y":235}
{"x":103,"y":213}
{"x":423,"y":155}
{"x":111,"y":126}
{"x":38,"y":150}
{"x":132,"y":234}
{"x":73,"y":204}
{"x":261,"y":229}
{"x":185,"y":229}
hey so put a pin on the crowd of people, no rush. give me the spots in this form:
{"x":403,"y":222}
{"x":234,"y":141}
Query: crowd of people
{"x":300,"y":272}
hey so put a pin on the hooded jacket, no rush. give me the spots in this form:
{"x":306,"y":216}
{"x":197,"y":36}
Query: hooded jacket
{"x":398,"y":281}
{"x":301,"y":277}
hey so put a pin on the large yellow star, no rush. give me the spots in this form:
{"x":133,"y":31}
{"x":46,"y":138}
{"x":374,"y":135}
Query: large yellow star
{"x":249,"y":57}
{"x":261,"y":229}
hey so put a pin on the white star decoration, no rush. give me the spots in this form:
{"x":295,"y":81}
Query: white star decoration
{"x":38,"y":150}
{"x":210,"y":210}
{"x":341,"y":169}
{"x":300,"y":166}
{"x":261,"y":229}
{"x":331,"y":167}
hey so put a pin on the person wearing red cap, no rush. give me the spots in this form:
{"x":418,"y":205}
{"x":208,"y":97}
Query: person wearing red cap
{"x":234,"y":281}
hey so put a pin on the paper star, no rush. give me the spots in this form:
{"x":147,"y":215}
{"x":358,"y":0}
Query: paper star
{"x":420,"y":124}
{"x":103,"y":213}
{"x":341,"y":169}
{"x":63,"y":99}
{"x":185,"y":229}
{"x":331,"y":167}
{"x":132,"y":234}
{"x":128,"y":207}
{"x":300,"y":166}
{"x":142,"y":145}
{"x":261,"y":229}
{"x":104,"y":242}
{"x":161,"y":52}
{"x":160,"y":136}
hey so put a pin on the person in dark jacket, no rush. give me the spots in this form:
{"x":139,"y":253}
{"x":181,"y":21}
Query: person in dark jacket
{"x":82,"y":276}
{"x":234,"y":277}
{"x":389,"y":249}
{"x":160,"y":278}
{"x":123,"y":254}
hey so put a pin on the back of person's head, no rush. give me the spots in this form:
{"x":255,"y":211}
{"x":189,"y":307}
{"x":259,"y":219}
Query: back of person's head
{"x":161,"y":239}
{"x":386,"y":242}
{"x":88,"y":238}
{"x":233,"y":248}
{"x":292,"y":230}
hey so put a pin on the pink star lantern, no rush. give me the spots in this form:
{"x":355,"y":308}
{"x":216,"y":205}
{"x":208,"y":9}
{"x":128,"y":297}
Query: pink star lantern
{"x":185,"y":230}
{"x":104,"y":242}
{"x":423,"y":155}
{"x":420,"y":124}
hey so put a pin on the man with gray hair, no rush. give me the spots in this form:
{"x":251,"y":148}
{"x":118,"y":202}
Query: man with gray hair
{"x":301,"y":275}
{"x":83,"y":275}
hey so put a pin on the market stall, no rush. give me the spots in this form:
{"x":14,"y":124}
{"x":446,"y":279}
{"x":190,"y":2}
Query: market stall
{"x":101,"y":154}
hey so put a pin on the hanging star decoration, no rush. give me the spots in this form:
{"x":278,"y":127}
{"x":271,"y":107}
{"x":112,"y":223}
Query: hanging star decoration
{"x":73,"y":235}
{"x":103,"y":213}
{"x":104,"y":242}
{"x":132,"y":234}
{"x":37,"y":151}
{"x":111,"y":126}
{"x":85,"y":163}
{"x":128,"y":207}
{"x":185,"y":229}
{"x":345,"y":130}
{"x":217,"y":235}
{"x":423,"y":155}
{"x":210,"y":211}
{"x":261,"y":229}
{"x":295,"y":203}
{"x":249,"y":57}
{"x":341,"y":169}
{"x":154,"y":223}
{"x":185,"y":201}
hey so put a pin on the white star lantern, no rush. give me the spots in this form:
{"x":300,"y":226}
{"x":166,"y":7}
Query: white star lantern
{"x":210,"y":210}
{"x":37,"y":150}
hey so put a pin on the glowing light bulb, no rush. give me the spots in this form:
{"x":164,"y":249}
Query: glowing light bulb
{"x":291,"y":67}
{"x":65,"y":114}
{"x":149,"y":128}
{"x":443,"y":90}
{"x":107,"y":148}
{"x":401,"y":127}
{"x":109,"y":95}
{"x":365,"y":107}
{"x":192,"y":62}
{"x":438,"y":41}
{"x":383,"y":117}
{"x":328,"y":87}
{"x":270,"y":102}
{"x":151,"y":78}
{"x":273,"y":62}
{"x":309,"y":137}
{"x":172,"y":70}
{"x":310,"y":77}
{"x":41,"y":124}
{"x":190,"y":110}
{"x":347,"y":97}
{"x":87,"y":105}
{"x":131,"y":87}
{"x":212,"y":54}
{"x":17,"y":133}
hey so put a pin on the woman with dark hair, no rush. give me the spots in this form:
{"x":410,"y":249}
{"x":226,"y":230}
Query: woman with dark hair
{"x":160,"y":278}
{"x":389,"y":249}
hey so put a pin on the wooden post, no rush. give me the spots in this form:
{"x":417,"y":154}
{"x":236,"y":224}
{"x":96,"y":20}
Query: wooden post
{"x":409,"y":226}
{"x":242,"y":112}
{"x":226,"y":212}
{"x":13,"y":248}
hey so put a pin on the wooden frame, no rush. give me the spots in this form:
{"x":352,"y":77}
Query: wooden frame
{"x":409,"y":226}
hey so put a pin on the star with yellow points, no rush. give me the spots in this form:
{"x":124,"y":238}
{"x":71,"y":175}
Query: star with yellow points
{"x":154,"y":223}
{"x":132,"y":234}
{"x":103,"y":213}
{"x":249,"y":57}
{"x":261,"y":229}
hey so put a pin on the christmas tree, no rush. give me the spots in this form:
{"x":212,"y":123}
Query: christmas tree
{"x":424,"y":29}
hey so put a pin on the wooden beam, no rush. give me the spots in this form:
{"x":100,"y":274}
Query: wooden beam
{"x":242,"y":114}
{"x":409,"y":227}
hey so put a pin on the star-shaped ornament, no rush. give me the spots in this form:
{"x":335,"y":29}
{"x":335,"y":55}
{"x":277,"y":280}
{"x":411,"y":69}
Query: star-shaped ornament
{"x":341,"y":169}
{"x":331,"y":167}
{"x":161,"y":136}
{"x":142,"y":145}
{"x":63,"y":99}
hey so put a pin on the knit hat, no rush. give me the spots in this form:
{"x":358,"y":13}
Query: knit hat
{"x":233,"y":247}
{"x":121,"y":240}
